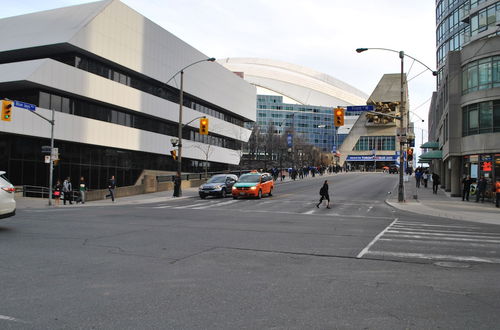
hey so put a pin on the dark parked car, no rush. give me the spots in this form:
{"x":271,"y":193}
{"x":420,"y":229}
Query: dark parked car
{"x":218,"y":185}
{"x":393,"y":169}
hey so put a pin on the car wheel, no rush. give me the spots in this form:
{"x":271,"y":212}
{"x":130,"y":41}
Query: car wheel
{"x":223,"y":193}
{"x":235,"y":197}
{"x":202,"y":196}
{"x":259,"y":195}
{"x":270,"y":193}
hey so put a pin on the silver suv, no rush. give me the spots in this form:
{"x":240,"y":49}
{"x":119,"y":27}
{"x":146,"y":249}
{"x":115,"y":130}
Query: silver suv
{"x":7,"y":201}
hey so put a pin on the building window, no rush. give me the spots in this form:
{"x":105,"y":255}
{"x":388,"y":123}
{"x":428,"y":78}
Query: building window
{"x":366,"y":143}
{"x":481,"y":118}
{"x":481,"y":74}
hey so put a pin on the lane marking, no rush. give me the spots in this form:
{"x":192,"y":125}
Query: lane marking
{"x":308,"y":212}
{"x":161,"y":207}
{"x":426,"y":225}
{"x":369,"y":209}
{"x":435,"y":256}
{"x":365,"y":250}
{"x":438,"y":241}
{"x":189,"y":206}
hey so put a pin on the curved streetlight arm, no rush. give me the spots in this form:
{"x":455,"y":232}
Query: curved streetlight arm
{"x":401,"y":55}
{"x":211,"y":59}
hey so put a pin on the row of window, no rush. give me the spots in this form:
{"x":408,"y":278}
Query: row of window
{"x":488,"y":16}
{"x":375,"y":143}
{"x":451,"y":22}
{"x":146,"y":85}
{"x":481,"y":74}
{"x":481,"y":118}
{"x":443,"y":6}
{"x":101,"y":112}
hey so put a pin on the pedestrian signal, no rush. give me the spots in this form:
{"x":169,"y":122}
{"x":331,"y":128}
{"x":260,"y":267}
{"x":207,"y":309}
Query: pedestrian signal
{"x":338,"y":117}
{"x":174,"y":154}
{"x":6,"y":110}
{"x":204,"y":126}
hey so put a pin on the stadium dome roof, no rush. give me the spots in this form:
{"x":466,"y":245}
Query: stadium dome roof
{"x":301,"y":84}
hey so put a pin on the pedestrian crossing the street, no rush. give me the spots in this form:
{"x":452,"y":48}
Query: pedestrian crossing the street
{"x":436,"y":242}
{"x":358,"y":209}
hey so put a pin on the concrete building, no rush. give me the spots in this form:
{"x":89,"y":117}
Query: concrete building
{"x":464,"y":118}
{"x":373,"y":142}
{"x":103,"y":68}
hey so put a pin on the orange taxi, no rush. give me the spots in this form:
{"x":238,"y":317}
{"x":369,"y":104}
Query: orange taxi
{"x":253,"y":184}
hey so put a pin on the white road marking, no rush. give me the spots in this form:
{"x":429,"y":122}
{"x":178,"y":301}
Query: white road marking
{"x":402,"y":228}
{"x":161,"y":207}
{"x":13,"y":319}
{"x":309,"y":212}
{"x":435,"y":256}
{"x":217,"y":204}
{"x":426,"y":225}
{"x":369,"y":209}
{"x":189,"y":206}
{"x":471,"y":235}
{"x":365,"y":250}
{"x":450,"y":238}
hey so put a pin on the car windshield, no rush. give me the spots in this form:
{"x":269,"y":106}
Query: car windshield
{"x":250,"y":178}
{"x":217,"y":179}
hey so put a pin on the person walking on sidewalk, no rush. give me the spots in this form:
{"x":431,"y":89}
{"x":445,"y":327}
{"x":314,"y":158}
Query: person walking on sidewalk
{"x":418,"y":177}
{"x":324,"y":195}
{"x":111,"y":188}
{"x":481,"y":188}
{"x":466,"y":182}
{"x":68,"y":191}
{"x":435,"y":183}
{"x":57,"y":192}
{"x":82,"y":189}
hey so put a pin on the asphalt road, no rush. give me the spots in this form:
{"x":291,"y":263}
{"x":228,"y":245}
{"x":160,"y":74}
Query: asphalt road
{"x":278,"y":263}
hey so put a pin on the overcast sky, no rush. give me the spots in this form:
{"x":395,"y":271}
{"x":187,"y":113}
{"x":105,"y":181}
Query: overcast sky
{"x":319,"y":34}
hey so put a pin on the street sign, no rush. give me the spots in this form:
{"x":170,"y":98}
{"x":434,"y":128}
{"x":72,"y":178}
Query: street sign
{"x":24,"y":105}
{"x":45,"y":149}
{"x":360,"y":108}
{"x":47,"y":159}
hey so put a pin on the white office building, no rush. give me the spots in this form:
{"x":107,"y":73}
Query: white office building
{"x":104,"y":69}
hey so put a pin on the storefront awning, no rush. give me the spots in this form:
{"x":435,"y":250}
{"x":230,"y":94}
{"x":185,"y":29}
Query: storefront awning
{"x":433,"y":154}
{"x":430,"y":145}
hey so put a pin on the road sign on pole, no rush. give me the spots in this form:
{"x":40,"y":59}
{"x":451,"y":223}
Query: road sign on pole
{"x":24,"y":105}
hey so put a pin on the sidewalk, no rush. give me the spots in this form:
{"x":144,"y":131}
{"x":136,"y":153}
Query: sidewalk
{"x":442,"y":205}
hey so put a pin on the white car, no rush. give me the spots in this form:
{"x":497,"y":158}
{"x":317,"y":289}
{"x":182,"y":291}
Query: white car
{"x":7,"y":201}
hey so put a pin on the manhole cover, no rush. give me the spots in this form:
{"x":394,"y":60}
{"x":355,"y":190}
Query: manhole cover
{"x":450,"y":264}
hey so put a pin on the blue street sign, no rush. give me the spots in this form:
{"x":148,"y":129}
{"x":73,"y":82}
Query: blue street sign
{"x":24,"y":105}
{"x":289,"y":140}
{"x":360,"y":108}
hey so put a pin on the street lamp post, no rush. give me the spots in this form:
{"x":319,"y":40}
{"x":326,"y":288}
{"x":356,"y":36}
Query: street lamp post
{"x":402,"y":113}
{"x":178,"y":180}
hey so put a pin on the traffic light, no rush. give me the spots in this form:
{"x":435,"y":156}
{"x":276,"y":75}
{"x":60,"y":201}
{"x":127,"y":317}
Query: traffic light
{"x":338,"y":117}
{"x":204,"y":126}
{"x":6,"y":110}
{"x":409,"y":154}
{"x":174,"y":154}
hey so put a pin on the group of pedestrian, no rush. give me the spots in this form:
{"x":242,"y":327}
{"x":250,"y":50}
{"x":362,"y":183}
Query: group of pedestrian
{"x":65,"y":191}
{"x":422,"y":176}
{"x":480,"y":188}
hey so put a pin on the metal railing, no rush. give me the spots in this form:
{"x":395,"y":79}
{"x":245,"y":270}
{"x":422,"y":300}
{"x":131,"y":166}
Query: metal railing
{"x":40,"y":192}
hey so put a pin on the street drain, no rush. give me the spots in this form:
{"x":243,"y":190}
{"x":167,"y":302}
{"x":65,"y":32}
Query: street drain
{"x":450,"y":264}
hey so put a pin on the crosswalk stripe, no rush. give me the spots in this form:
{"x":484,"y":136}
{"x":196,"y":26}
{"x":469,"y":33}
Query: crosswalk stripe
{"x":444,"y":231}
{"x":427,"y":225}
{"x":434,"y":256}
{"x":440,"y":234}
{"x":451,"y":238}
{"x":215,"y":204}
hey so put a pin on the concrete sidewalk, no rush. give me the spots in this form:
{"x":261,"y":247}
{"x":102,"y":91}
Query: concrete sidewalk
{"x":423,"y":201}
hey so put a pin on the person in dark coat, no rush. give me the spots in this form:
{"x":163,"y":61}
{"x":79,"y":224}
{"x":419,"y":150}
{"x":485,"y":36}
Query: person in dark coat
{"x":111,"y":188}
{"x":435,"y":183}
{"x":481,"y":188}
{"x":68,"y":191}
{"x":324,"y":195}
{"x":466,"y":182}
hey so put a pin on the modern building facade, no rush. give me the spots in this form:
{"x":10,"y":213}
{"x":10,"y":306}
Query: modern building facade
{"x":373,"y":141}
{"x":102,"y":67}
{"x":464,"y":118}
{"x":293,"y":98}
